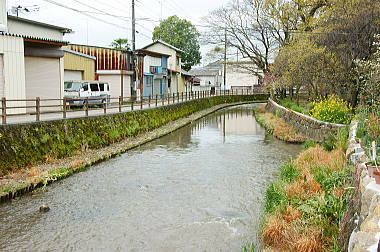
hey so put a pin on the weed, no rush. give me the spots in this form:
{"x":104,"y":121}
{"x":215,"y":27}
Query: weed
{"x":308,"y":144}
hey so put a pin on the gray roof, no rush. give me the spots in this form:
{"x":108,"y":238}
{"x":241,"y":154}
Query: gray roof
{"x":59,"y":28}
{"x":165,"y":44}
{"x":79,"y":54}
{"x":205,"y":71}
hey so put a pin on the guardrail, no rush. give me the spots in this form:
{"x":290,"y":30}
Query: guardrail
{"x":33,"y":109}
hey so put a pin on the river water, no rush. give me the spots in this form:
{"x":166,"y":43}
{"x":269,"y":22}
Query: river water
{"x":200,"y":188}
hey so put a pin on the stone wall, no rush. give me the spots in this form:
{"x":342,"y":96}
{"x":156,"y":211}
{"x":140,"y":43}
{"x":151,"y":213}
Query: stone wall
{"x":361,"y":224}
{"x":307,"y":126}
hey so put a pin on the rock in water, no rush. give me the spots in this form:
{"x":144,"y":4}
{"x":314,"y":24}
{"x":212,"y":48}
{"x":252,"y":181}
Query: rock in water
{"x":44,"y":209}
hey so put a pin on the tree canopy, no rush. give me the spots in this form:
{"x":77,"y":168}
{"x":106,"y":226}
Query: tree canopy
{"x":120,"y":44}
{"x":183,"y":35}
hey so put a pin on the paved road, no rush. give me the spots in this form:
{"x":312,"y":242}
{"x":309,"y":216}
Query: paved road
{"x":93,"y":111}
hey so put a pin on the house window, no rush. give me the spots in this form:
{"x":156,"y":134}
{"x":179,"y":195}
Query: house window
{"x":177,"y":61}
{"x":85,"y":87}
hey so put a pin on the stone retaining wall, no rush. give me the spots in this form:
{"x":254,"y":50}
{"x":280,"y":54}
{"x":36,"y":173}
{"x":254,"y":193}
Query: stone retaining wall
{"x":307,"y":126}
{"x":361,"y":225}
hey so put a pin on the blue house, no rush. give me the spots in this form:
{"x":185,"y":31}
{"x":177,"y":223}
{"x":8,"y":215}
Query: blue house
{"x":155,"y":81}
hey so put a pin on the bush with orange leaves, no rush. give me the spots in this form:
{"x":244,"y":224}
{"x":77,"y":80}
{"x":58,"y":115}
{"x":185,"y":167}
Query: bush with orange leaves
{"x":304,"y":207}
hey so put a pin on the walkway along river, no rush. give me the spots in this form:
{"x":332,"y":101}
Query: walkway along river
{"x":200,"y":188}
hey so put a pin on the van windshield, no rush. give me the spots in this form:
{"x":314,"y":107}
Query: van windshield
{"x":73,"y":86}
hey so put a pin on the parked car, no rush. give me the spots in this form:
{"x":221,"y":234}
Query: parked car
{"x":78,"y":91}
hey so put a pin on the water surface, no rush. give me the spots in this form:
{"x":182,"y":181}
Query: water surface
{"x":198,"y":189}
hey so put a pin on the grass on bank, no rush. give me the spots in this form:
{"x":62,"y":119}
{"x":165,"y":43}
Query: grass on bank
{"x":277,"y":126}
{"x":304,"y":207}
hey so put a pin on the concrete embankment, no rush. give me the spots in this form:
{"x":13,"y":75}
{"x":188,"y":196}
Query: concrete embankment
{"x":57,"y":149}
{"x":307,"y":126}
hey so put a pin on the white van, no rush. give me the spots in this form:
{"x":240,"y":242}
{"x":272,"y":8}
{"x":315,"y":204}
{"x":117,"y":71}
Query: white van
{"x":79,"y":90}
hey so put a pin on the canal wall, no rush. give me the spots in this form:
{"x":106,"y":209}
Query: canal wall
{"x":307,"y":126}
{"x":98,"y":138}
{"x":360,"y":228}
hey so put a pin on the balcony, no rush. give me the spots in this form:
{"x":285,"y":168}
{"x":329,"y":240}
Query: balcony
{"x":158,"y":70}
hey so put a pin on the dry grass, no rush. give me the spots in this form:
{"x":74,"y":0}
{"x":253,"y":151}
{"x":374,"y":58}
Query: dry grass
{"x":77,"y":163}
{"x":281,"y":129}
{"x":274,"y":233}
{"x":318,"y":157}
{"x":280,"y":235}
{"x":287,"y":230}
{"x":291,"y":214}
{"x":303,"y":187}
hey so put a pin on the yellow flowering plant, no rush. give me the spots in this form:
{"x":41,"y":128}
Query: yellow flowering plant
{"x":332,"y":109}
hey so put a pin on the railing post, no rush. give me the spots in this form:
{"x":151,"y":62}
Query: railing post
{"x":173,"y":98}
{"x":178,"y":97}
{"x":182,"y":96}
{"x":149,"y":101}
{"x":132,"y":105}
{"x":163,"y":100}
{"x":120,"y":103}
{"x":185,"y":96}
{"x":141,"y":102}
{"x":156,"y":99}
{"x":64,"y":107}
{"x":169,"y":98}
{"x":105,"y":107}
{"x":38,"y":109}
{"x":4,"y":110}
{"x":86,"y":106}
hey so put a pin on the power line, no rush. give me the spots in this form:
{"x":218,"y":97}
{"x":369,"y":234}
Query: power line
{"x":85,"y":14}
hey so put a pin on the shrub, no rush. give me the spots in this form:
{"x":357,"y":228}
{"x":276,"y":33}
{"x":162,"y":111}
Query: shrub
{"x":332,"y":109}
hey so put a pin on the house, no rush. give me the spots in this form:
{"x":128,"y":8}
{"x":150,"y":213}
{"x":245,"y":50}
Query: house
{"x":78,"y":66}
{"x":112,"y":65}
{"x":155,"y":74}
{"x":174,"y":82}
{"x":210,"y":78}
{"x":31,"y":59}
{"x":239,"y":76}
{"x":188,"y":80}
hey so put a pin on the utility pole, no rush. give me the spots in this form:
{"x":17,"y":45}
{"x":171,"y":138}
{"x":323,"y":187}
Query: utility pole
{"x":134,"y":63}
{"x":225,"y":57}
{"x":133,"y":26}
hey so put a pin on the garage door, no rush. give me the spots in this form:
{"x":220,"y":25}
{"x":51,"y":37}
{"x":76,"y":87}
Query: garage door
{"x":2,"y":81}
{"x":72,"y":75}
{"x":42,"y":78}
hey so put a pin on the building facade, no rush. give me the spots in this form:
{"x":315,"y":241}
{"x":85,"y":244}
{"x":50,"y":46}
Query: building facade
{"x":174,"y":68}
{"x":78,"y":66}
{"x":31,"y":60}
{"x":112,"y":66}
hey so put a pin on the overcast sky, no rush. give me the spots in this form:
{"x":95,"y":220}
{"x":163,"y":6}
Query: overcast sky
{"x":90,"y":31}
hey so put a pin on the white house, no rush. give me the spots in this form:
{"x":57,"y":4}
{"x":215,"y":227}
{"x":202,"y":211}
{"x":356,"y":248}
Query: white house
{"x":211,"y":78}
{"x":175,"y":81}
{"x":31,"y":59}
{"x":239,"y":76}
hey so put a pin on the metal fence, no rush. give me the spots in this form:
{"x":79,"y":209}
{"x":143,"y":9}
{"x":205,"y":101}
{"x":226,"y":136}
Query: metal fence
{"x":34,"y":109}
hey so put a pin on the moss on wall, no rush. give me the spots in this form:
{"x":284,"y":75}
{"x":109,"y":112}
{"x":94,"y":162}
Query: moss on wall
{"x":23,"y":145}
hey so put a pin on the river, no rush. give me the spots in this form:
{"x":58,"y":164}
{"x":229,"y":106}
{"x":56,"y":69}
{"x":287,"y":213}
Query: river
{"x":200,"y":188}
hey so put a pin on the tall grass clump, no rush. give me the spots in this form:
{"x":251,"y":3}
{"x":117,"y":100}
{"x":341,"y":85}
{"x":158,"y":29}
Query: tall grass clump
{"x":303,"y":209}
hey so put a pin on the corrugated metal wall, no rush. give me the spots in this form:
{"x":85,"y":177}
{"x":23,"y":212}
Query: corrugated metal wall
{"x":12,"y":49}
{"x":106,"y":59}
{"x":79,"y":63}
